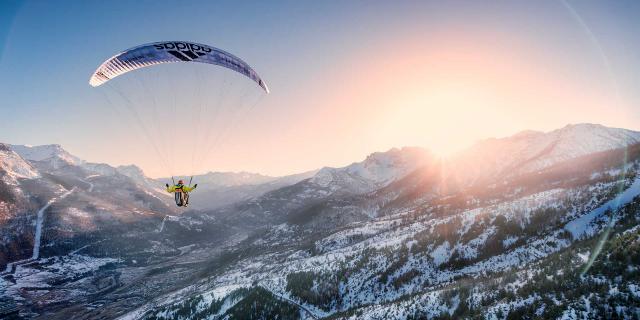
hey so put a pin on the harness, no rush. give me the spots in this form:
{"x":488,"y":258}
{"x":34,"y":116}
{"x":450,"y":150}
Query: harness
{"x":181,"y":196}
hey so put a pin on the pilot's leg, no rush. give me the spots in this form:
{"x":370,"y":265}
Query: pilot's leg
{"x":178,"y":197}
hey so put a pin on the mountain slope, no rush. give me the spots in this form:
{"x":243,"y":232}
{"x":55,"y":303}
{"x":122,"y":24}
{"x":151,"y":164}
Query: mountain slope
{"x":69,"y":199}
{"x":53,"y":154}
{"x":550,"y":232}
{"x":220,"y":189}
{"x":530,"y":151}
{"x":377,"y":170}
{"x":312,"y":201}
{"x":482,"y":254}
{"x":14,"y":167}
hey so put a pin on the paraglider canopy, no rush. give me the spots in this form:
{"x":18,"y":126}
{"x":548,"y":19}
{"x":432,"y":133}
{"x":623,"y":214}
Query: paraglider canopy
{"x":184,"y":108}
{"x":170,"y":51}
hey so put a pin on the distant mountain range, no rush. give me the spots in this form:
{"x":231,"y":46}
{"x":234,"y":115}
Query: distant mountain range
{"x":528,"y":151}
{"x":535,"y":225}
{"x":219,"y":189}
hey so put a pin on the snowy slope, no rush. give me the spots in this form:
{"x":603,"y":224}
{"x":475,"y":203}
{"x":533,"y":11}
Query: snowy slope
{"x":15,"y":166}
{"x":377,"y":170}
{"x":584,"y":225}
{"x":318,"y":201}
{"x":530,"y":151}
{"x":53,"y":154}
{"x":460,"y":253}
{"x":55,"y":159}
{"x":399,"y":266}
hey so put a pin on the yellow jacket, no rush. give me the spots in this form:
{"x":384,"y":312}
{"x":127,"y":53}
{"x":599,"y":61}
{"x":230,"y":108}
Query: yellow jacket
{"x":172,"y":189}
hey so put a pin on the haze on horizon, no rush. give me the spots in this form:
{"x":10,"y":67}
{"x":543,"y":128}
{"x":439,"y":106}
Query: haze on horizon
{"x":346,"y":78}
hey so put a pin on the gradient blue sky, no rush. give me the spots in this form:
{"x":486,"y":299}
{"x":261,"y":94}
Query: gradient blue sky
{"x":347,"y":77}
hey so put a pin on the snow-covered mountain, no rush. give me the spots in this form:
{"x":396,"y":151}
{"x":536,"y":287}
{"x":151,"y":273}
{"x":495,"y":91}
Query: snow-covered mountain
{"x":66,"y":199}
{"x":14,"y":167}
{"x":219,"y":189}
{"x":221,"y":196}
{"x":53,"y":154}
{"x":311,"y":201}
{"x":550,"y":242}
{"x":377,"y":170}
{"x":53,"y":157}
{"x":537,"y":225}
{"x":529,"y":151}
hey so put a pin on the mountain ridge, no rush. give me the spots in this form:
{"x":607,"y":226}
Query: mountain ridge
{"x":395,"y":235}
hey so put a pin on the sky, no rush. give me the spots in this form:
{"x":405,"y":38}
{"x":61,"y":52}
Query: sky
{"x":347,"y":78}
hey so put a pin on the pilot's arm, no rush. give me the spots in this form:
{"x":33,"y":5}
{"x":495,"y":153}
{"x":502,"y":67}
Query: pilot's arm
{"x":189,"y":189}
